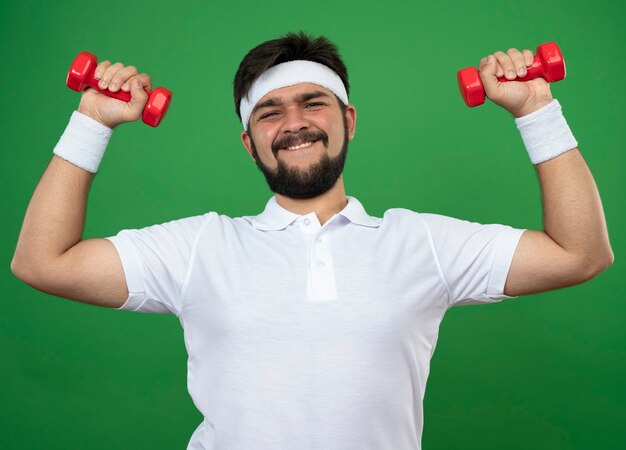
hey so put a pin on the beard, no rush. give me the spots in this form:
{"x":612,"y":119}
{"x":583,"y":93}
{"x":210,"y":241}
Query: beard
{"x":311,"y":182}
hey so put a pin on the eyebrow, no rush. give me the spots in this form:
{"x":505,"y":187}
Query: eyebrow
{"x":300,"y":98}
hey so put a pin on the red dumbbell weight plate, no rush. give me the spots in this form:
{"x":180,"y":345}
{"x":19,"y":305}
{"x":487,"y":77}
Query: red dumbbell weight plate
{"x":553,"y":58}
{"x":470,"y":86}
{"x":157,"y":106}
{"x":80,"y":68}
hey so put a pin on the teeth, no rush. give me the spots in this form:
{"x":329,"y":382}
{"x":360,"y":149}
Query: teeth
{"x":296,"y":147}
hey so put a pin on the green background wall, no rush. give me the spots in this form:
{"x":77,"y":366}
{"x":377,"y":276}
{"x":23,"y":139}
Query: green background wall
{"x":543,"y":371}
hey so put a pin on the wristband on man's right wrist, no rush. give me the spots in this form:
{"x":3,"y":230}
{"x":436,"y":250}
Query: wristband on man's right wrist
{"x":84,"y":141}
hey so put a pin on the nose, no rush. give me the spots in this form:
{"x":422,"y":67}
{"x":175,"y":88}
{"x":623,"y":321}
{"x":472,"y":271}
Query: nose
{"x":294,"y":120}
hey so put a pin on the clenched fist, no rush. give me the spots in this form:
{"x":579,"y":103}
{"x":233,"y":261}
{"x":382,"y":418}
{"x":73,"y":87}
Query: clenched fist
{"x":519,"y":98}
{"x":109,"y":111}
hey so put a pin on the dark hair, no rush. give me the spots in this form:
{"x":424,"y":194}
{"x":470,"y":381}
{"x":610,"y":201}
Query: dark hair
{"x":290,"y":47}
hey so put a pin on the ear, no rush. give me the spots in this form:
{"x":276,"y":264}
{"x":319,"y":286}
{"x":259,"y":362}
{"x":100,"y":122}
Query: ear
{"x":351,"y":120}
{"x":245,"y":140}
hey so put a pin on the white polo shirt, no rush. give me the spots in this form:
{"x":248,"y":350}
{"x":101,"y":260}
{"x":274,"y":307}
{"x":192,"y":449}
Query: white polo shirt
{"x":310,"y":337}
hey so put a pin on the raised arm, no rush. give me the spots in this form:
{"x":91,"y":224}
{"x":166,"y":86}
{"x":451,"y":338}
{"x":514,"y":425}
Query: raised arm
{"x":50,"y":254}
{"x":574,"y":245}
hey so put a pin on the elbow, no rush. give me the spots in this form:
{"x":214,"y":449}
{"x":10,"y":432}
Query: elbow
{"x":15,"y":268}
{"x":610,"y":259}
{"x":40,"y":273}
{"x":24,"y":271}
{"x":592,"y":267}
{"x":18,"y":269}
{"x":608,"y":262}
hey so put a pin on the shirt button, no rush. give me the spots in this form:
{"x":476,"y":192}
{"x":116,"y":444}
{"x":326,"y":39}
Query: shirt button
{"x":321,"y":264}
{"x":307,"y":221}
{"x":318,"y":240}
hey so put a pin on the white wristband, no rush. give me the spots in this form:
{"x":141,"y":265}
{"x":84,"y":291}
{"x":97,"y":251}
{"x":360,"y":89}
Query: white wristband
{"x":545,"y":133}
{"x":84,"y":141}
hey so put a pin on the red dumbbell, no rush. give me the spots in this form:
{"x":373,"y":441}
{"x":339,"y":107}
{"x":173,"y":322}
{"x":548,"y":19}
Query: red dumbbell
{"x":548,"y":64}
{"x":81,"y":76}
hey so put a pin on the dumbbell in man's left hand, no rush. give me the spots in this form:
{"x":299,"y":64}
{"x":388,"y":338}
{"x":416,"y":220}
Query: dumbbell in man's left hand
{"x":519,"y":98}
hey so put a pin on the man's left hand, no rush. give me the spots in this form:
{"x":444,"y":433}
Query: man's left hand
{"x":519,"y":98}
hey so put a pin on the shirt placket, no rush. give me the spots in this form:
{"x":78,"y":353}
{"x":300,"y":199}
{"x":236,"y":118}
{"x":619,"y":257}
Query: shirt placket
{"x":321,"y":283}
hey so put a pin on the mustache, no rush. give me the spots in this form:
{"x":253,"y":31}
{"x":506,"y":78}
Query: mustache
{"x":298,"y":138}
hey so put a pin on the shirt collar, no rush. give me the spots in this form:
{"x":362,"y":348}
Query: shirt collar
{"x":275,"y":217}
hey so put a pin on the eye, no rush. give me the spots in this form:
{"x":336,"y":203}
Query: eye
{"x":268,"y":114}
{"x":313,"y":104}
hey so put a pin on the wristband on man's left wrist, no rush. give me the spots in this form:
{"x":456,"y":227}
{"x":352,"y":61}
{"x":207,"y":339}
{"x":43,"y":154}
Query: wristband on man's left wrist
{"x":545,"y":133}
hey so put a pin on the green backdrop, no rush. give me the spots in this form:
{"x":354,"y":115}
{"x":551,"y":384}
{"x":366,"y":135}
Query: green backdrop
{"x":542,"y":371}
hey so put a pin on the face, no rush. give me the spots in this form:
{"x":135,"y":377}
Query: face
{"x":298,"y":137}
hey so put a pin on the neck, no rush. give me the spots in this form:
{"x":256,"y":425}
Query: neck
{"x":325,"y":205}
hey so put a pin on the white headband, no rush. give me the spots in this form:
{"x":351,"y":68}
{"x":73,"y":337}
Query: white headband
{"x":288,"y":74}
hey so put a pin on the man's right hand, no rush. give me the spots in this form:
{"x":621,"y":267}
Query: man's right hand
{"x":110,"y":111}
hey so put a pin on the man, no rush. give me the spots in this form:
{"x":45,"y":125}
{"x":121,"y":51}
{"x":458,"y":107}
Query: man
{"x":312,"y":324}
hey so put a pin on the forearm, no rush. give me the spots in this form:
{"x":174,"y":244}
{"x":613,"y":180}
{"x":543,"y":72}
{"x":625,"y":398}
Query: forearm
{"x":573,"y":216}
{"x":55,"y":217}
{"x":572,"y":210}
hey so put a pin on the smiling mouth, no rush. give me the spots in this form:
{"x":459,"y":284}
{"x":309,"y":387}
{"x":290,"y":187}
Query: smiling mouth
{"x":300,"y":146}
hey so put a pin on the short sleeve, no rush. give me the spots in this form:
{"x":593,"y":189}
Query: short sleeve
{"x":474,"y":259}
{"x":155,"y":261}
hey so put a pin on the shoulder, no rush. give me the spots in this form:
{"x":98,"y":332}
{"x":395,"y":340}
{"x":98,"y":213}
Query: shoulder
{"x":401,"y":216}
{"x":175,"y":230}
{"x":184,"y":225}
{"x":438,"y":225}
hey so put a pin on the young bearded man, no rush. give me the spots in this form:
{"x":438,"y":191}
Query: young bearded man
{"x":312,"y":324}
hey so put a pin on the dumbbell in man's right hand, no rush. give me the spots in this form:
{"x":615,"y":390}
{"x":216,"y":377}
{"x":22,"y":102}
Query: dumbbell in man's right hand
{"x":113,"y":99}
